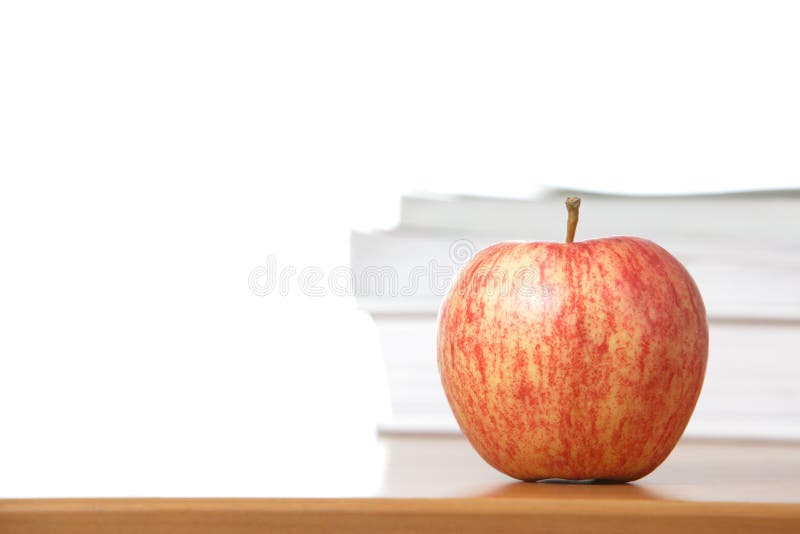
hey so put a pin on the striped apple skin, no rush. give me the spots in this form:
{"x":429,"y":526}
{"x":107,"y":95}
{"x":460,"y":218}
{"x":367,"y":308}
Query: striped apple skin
{"x":574,"y":361}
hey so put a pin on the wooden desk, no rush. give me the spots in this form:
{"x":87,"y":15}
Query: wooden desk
{"x":438,"y":484}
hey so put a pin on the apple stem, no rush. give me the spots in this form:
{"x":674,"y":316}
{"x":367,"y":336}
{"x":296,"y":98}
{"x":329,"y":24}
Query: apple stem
{"x":573,"y":205}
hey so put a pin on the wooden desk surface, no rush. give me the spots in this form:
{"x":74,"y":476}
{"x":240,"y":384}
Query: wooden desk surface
{"x":438,"y":484}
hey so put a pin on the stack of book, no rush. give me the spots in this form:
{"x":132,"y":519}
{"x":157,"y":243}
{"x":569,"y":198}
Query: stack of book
{"x":742,"y":249}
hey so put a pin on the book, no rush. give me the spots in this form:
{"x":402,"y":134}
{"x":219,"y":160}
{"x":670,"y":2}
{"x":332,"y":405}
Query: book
{"x":743,"y":250}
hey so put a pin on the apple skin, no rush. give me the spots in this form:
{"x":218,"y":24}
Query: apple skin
{"x":586,"y":364}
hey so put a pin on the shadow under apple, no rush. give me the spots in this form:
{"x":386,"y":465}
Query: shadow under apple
{"x":572,"y":489}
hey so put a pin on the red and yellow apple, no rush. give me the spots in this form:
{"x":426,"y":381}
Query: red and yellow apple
{"x":576,"y":360}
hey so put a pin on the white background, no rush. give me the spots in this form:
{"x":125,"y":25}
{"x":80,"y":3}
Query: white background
{"x":153,"y":153}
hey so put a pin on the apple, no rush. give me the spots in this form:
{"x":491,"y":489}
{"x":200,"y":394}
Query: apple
{"x":577,"y":360}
